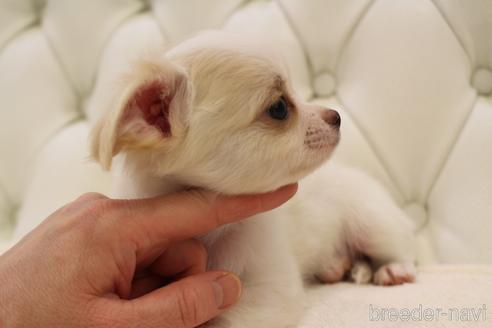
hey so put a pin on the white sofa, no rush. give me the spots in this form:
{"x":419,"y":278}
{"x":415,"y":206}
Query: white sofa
{"x":412,"y":80}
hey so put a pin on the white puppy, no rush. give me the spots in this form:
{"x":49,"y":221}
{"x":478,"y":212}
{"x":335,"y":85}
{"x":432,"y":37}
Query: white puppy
{"x":218,"y":112}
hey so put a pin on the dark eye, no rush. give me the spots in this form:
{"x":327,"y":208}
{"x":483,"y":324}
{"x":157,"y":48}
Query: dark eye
{"x":279,"y":110}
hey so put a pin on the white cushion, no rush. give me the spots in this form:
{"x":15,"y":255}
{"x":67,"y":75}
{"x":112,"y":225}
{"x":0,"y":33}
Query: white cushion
{"x":444,"y":296}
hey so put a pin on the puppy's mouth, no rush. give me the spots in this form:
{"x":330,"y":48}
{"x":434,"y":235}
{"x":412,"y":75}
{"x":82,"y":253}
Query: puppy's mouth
{"x":319,"y":150}
{"x":321,"y":141}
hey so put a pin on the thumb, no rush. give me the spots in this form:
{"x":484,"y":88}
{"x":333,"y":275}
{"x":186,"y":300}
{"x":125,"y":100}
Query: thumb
{"x":188,"y":302}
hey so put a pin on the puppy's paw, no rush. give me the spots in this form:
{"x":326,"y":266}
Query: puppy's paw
{"x":395,"y":274}
{"x":361,"y":272}
{"x":334,"y":271}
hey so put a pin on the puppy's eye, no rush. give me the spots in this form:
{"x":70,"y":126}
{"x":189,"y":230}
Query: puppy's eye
{"x":279,"y":111}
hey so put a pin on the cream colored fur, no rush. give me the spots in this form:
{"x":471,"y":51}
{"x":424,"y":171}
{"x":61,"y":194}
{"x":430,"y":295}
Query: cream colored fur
{"x":222,"y":139}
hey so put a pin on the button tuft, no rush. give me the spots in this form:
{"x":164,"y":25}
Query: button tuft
{"x":417,"y":212}
{"x":482,"y":81}
{"x":324,"y":84}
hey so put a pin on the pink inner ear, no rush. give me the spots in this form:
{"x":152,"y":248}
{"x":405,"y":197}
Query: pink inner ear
{"x":153,"y":103}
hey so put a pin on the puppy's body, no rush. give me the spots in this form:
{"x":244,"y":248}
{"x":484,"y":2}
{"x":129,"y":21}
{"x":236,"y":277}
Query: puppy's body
{"x":220,"y":114}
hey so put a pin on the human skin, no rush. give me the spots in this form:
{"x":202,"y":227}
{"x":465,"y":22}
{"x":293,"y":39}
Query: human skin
{"x":100,"y":262}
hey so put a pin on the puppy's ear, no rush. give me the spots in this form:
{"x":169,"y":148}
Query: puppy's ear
{"x":149,"y":111}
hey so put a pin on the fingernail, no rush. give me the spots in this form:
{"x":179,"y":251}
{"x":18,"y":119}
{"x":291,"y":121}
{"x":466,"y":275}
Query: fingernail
{"x":227,"y":290}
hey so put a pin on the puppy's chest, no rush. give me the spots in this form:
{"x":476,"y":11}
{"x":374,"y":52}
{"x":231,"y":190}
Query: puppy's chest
{"x":236,"y":246}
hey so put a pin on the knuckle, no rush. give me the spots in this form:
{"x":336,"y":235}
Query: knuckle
{"x":188,"y":307}
{"x":90,"y":196}
{"x":93,"y":215}
{"x":97,"y":208}
{"x":126,"y":209}
{"x":108,"y":211}
{"x":106,"y":205}
{"x":78,"y":220}
{"x":126,"y":205}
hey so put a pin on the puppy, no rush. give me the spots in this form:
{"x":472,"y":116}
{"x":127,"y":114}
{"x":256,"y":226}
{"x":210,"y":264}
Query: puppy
{"x":218,"y":112}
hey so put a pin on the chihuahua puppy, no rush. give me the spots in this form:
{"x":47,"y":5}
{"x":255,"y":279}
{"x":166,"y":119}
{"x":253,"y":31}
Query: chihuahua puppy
{"x":218,"y":112}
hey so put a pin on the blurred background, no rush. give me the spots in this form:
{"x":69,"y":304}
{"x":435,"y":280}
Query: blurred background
{"x":411,"y":79}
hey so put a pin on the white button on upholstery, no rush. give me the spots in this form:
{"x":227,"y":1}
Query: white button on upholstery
{"x":324,"y":84}
{"x":417,"y":213}
{"x":482,"y":80}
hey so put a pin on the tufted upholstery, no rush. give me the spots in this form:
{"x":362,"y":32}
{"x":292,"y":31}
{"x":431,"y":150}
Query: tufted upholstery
{"x":412,"y":79}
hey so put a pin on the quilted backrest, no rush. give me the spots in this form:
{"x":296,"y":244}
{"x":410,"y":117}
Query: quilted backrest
{"x":412,"y":80}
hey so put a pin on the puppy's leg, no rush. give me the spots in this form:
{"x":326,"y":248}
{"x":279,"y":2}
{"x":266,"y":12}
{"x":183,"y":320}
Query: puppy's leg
{"x":390,"y":246}
{"x":344,"y":209}
{"x":391,"y":250}
{"x":381,"y":231}
{"x":316,"y":235}
{"x":272,"y":294}
{"x":333,"y":268}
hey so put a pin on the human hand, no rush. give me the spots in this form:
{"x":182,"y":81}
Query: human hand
{"x":98,"y":262}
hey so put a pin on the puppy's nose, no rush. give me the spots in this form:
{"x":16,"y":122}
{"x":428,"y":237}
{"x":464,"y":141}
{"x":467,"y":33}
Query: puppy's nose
{"x":331,"y":117}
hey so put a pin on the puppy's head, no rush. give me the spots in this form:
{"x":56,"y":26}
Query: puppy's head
{"x":218,"y":113}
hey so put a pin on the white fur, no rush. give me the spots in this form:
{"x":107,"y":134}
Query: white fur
{"x":222,"y":139}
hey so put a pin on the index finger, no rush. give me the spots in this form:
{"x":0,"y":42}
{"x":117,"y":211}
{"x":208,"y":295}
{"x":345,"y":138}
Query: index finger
{"x":193,"y":213}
